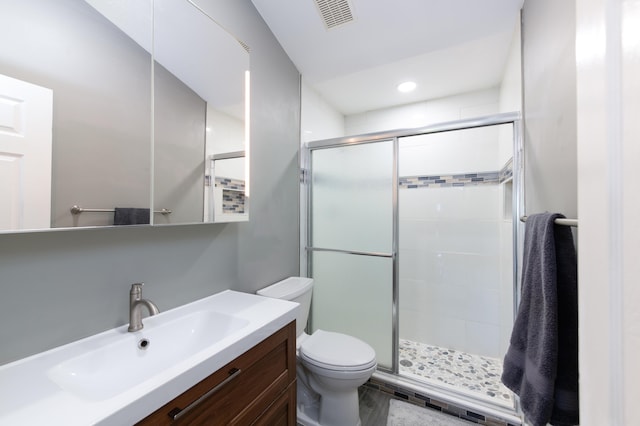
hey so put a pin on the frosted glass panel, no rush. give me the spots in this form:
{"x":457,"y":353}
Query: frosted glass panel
{"x":352,"y":204}
{"x":353,"y":295}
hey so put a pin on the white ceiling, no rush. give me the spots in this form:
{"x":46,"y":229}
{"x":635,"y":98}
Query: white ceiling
{"x":446,"y":46}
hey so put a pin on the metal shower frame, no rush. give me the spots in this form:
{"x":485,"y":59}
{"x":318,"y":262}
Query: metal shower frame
{"x":513,"y":118}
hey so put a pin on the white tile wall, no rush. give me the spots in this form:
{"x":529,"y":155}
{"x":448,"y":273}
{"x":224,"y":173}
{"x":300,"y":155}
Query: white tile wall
{"x":449,"y":332}
{"x":452,"y":244}
{"x":424,"y":113}
{"x":482,"y":338}
{"x":464,"y":151}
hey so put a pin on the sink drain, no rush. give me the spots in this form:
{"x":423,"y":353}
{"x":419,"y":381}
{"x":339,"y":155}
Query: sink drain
{"x":143,"y":344}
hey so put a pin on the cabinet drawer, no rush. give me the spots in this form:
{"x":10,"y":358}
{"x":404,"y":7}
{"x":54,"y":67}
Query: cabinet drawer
{"x":239,"y":392}
{"x":282,"y":412}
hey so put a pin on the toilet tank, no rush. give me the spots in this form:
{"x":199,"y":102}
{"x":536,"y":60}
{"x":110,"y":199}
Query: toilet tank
{"x":295,"y":289}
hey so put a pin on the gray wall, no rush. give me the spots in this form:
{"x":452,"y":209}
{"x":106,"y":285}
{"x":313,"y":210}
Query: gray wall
{"x":56,"y":287}
{"x":549,"y":81}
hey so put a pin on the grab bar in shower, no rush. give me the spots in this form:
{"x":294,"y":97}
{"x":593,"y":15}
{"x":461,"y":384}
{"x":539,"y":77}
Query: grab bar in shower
{"x":559,"y":221}
{"x":78,"y":210}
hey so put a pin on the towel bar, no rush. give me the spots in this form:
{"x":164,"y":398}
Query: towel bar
{"x":78,"y":210}
{"x":559,"y":221}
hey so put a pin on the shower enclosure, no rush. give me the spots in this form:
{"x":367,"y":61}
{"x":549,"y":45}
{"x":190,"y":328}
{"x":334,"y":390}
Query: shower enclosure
{"x":411,"y":241}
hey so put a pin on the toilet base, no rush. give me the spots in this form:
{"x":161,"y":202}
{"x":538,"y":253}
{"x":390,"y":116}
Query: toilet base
{"x":332,"y":410}
{"x":324,"y":400}
{"x":307,"y":419}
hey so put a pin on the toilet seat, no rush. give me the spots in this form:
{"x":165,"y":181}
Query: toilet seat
{"x":337,"y":352}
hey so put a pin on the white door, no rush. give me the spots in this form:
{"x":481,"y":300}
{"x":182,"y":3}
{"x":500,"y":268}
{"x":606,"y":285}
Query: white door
{"x":26,"y":113}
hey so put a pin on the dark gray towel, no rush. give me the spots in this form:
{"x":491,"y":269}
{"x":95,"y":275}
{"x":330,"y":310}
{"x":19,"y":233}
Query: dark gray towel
{"x":541,"y":364}
{"x":130,"y":216}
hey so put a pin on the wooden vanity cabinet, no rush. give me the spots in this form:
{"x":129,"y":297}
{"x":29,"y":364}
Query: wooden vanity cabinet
{"x":257,"y":388}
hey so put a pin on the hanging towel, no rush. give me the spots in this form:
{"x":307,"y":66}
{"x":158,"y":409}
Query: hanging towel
{"x":130,"y":216}
{"x":541,"y":364}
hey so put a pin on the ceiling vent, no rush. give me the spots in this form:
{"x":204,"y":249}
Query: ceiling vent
{"x":334,"y":12}
{"x":245,"y":46}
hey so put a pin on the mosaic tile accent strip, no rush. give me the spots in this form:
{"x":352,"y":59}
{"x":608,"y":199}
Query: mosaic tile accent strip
{"x":441,"y":181}
{"x":458,"y":180}
{"x":474,"y":373}
{"x":228,"y":183}
{"x":423,"y":400}
{"x":232,"y":201}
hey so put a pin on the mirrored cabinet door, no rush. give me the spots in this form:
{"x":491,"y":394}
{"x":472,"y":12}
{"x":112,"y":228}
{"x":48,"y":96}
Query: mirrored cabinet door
{"x":199,"y":113}
{"x":75,"y":114}
{"x":110,"y":111}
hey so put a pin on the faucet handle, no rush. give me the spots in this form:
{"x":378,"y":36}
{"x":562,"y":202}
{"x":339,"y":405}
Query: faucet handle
{"x":136,"y":288}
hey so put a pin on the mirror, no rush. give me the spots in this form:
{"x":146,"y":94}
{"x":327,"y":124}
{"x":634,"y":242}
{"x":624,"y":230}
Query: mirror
{"x":97,"y":126}
{"x":203,"y":118}
{"x":228,"y":200}
{"x":89,"y":119}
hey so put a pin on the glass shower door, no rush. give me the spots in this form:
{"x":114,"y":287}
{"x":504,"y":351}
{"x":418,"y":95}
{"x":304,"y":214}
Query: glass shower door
{"x":456,"y":279}
{"x":411,"y":241}
{"x":351,"y":242}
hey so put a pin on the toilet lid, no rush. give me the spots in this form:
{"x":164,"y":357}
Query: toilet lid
{"x":336,"y":351}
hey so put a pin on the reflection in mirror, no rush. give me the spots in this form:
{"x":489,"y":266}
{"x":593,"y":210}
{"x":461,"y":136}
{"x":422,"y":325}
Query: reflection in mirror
{"x":76,"y":85}
{"x":227,"y":199}
{"x":199,"y":99}
{"x":77,"y":91}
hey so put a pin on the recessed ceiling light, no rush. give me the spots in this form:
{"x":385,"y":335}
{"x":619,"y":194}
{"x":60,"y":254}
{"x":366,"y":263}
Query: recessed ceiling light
{"x":407,"y":86}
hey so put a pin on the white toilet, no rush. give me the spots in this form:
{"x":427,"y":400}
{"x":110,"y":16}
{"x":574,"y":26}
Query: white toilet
{"x":330,"y":365}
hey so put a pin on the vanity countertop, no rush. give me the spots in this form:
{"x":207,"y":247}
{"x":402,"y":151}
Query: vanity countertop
{"x":87,"y":381}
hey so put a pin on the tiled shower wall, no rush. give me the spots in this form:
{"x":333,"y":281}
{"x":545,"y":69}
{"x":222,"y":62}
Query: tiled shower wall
{"x":449,"y":268}
{"x":233,"y":198}
{"x":455,"y":285}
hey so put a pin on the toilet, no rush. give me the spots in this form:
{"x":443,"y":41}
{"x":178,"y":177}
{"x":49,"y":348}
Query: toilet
{"x":330,"y":366}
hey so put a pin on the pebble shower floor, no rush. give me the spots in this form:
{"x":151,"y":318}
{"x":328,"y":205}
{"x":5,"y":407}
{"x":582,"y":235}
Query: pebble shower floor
{"x":473,"y":373}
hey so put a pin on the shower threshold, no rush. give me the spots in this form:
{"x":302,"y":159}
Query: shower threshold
{"x":474,"y":375}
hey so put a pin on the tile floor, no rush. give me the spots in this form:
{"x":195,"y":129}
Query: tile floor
{"x":378,"y":389}
{"x":374,"y":410}
{"x":473,"y":373}
{"x":374,"y":406}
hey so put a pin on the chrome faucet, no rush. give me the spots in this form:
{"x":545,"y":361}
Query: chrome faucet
{"x":136,"y":302}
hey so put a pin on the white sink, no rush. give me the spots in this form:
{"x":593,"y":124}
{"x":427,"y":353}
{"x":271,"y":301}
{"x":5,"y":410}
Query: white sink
{"x":118,"y":377}
{"x":112,"y":368}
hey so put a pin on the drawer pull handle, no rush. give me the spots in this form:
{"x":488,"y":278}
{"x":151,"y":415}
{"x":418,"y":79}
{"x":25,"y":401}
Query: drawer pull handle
{"x":176,"y":413}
